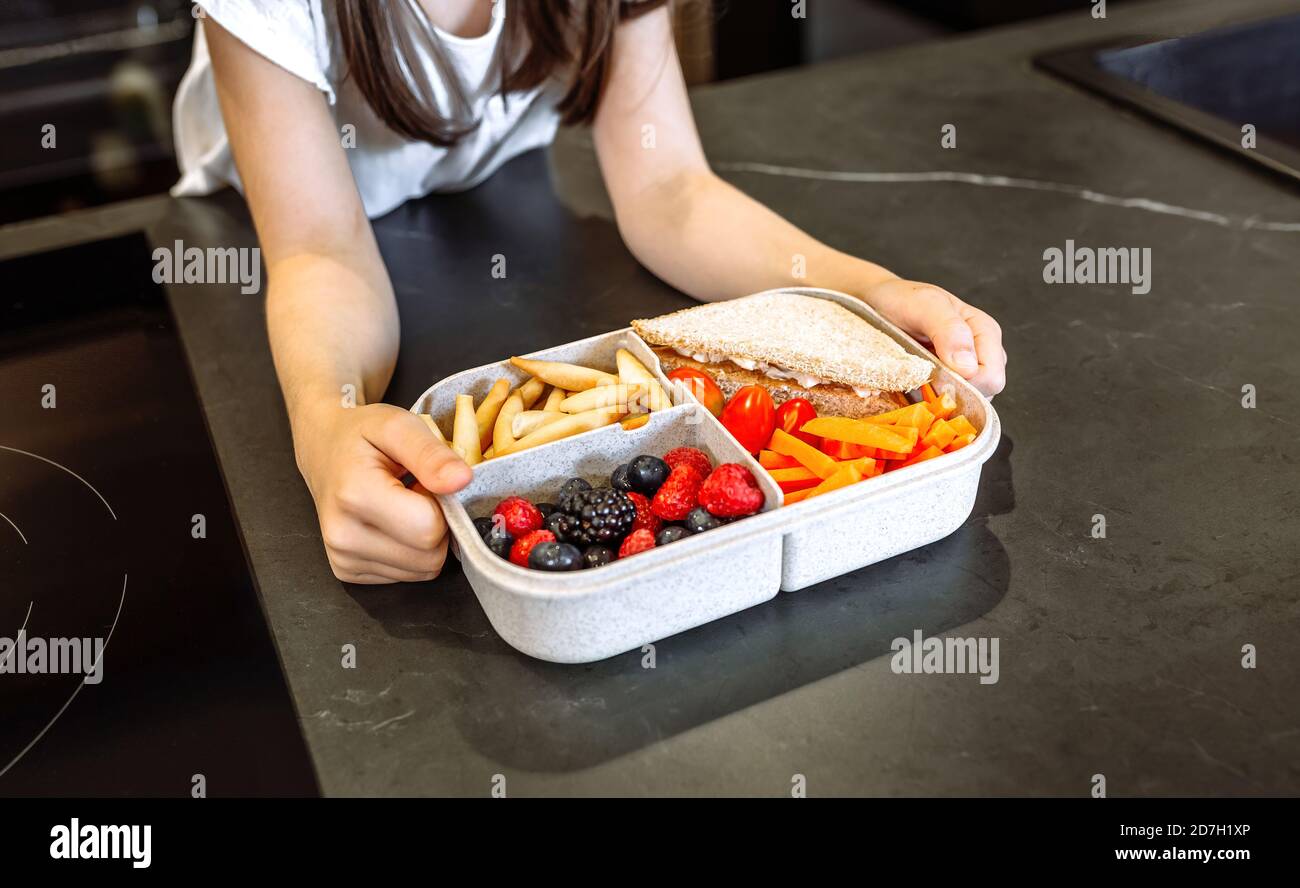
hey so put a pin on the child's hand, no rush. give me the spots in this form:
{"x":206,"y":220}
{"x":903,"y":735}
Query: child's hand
{"x":964,"y":338}
{"x":375,"y":529}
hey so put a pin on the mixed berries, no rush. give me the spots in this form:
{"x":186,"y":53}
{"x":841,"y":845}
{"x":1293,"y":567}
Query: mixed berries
{"x":648,"y":502}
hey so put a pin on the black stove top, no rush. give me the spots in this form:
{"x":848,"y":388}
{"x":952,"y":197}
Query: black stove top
{"x":134,"y":657}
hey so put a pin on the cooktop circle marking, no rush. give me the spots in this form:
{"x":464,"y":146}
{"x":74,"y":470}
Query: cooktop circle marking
{"x":80,"y":684}
{"x":70,"y":472}
{"x":20,"y":630}
{"x":15,"y":527}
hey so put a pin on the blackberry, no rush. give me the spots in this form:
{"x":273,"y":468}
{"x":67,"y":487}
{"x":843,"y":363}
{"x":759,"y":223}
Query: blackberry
{"x":619,"y":479}
{"x":597,"y":517}
{"x":647,"y":473}
{"x":546,"y":508}
{"x":595,"y":556}
{"x":670,"y":534}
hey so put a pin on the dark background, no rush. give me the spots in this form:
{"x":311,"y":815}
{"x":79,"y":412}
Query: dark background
{"x":104,"y":72}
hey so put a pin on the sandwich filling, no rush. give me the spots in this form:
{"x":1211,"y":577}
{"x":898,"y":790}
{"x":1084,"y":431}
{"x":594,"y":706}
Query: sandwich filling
{"x":771,"y":371}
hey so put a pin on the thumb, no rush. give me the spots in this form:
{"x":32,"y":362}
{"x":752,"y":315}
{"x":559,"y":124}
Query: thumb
{"x":933,"y":314}
{"x":406,"y":440}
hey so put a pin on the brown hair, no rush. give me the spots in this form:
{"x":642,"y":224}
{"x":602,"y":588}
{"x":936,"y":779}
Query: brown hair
{"x":571,"y":39}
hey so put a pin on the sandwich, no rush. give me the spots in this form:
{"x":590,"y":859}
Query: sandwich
{"x":795,"y":346}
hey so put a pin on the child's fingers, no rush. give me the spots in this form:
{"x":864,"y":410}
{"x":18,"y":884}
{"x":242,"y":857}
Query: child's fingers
{"x":406,"y":440}
{"x":992,"y":375}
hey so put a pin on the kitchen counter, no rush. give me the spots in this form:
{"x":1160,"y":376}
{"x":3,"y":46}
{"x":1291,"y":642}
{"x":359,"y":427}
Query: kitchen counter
{"x":1120,"y":656}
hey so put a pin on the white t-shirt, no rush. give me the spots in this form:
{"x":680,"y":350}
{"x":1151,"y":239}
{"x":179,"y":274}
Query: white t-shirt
{"x":302,"y":37}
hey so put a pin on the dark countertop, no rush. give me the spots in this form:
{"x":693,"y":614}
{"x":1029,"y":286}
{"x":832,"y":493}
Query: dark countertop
{"x":1119,"y":656}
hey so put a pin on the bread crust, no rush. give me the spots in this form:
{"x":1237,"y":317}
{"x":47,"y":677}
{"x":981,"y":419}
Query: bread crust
{"x":831,"y":399}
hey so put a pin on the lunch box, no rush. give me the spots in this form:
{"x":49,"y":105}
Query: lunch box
{"x":588,"y":615}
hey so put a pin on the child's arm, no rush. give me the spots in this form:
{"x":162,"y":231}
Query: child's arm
{"x":332,"y":322}
{"x":712,"y":241}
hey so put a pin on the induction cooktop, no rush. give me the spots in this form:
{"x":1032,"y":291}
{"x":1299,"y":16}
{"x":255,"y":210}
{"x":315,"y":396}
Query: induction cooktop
{"x":1237,"y":86}
{"x":134,"y":657}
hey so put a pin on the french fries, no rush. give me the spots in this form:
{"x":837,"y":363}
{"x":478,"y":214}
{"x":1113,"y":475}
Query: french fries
{"x":571,"y":424}
{"x":530,"y":391}
{"x":570,"y":377}
{"x":464,"y":435}
{"x":530,"y":421}
{"x":486,"y":414}
{"x":503,"y":435}
{"x":602,"y":396}
{"x":633,"y":372}
{"x":553,"y":399}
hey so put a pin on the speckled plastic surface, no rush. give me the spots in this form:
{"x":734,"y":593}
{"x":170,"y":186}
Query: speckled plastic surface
{"x":589,"y":615}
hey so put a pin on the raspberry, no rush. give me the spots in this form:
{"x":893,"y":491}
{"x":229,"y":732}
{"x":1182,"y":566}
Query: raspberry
{"x":519,"y":516}
{"x":730,"y":491}
{"x":644,"y":516}
{"x":678,"y":494}
{"x":691,"y":456}
{"x":523,"y":546}
{"x":637,"y":541}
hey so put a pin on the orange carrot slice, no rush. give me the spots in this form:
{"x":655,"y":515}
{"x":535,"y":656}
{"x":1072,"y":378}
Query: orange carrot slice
{"x":940,"y":435}
{"x":962,"y":426}
{"x":959,"y":442}
{"x":917,"y":415}
{"x":808,"y":456}
{"x":793,"y":486}
{"x":928,"y":393}
{"x":843,"y":477}
{"x":795,"y":496}
{"x":798,"y":473}
{"x":927,"y":453}
{"x":944,"y":407}
{"x":770,"y":459}
{"x":897,"y":438}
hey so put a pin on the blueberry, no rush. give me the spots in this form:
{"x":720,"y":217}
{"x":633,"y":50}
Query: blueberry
{"x":572,"y":486}
{"x":555,"y":556}
{"x":556,"y":523}
{"x":483,"y":526}
{"x":619,"y":480}
{"x":647,"y":473}
{"x":499,"y":540}
{"x":699,"y":520}
{"x":595,"y":556}
{"x":546,"y":508}
{"x":670,"y":534}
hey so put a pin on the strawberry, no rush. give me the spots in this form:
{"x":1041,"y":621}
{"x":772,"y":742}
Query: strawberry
{"x":677,"y":496}
{"x":691,"y":455}
{"x":636,"y":541}
{"x":524,"y":545}
{"x":730,"y":491}
{"x":644,"y":516}
{"x":519,"y":516}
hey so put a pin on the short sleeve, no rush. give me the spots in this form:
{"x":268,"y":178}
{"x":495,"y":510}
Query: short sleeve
{"x":287,"y":33}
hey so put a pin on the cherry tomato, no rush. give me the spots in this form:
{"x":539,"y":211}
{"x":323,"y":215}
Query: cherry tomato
{"x":750,"y":416}
{"x":791,"y":416}
{"x":701,"y":385}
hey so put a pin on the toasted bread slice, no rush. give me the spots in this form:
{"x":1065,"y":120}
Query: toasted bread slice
{"x":829,"y":399}
{"x":803,"y":334}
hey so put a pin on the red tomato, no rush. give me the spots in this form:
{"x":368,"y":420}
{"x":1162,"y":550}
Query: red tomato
{"x":750,"y":416}
{"x":701,"y":385}
{"x":793,"y":414}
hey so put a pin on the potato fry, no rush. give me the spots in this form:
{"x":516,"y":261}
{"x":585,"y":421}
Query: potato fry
{"x":571,"y":424}
{"x":488,"y":454}
{"x":570,"y":377}
{"x":530,"y":391}
{"x":486,"y":414}
{"x":554,"y":398}
{"x":602,"y":396}
{"x":464,"y":433}
{"x":502,"y":433}
{"x":531,"y":420}
{"x":634,"y":422}
{"x":433,"y":426}
{"x":633,"y":372}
